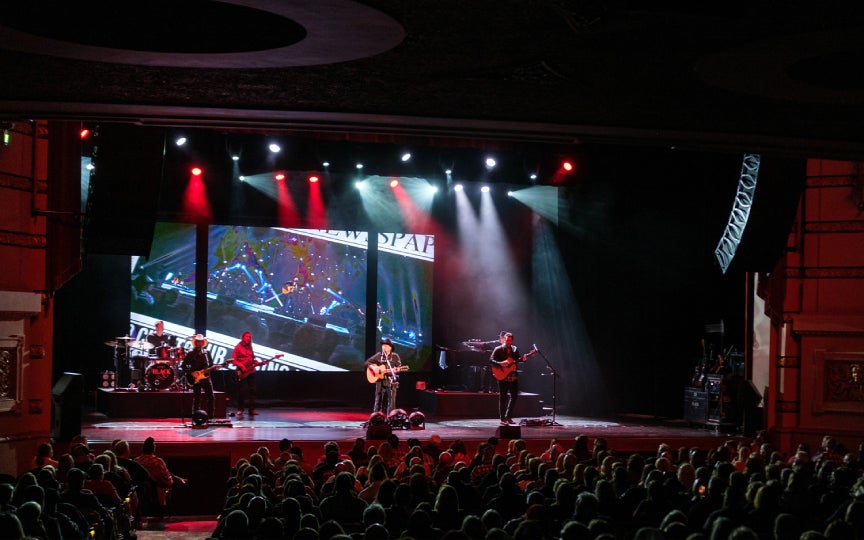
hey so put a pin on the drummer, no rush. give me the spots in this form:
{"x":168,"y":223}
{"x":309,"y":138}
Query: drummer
{"x":161,"y":341}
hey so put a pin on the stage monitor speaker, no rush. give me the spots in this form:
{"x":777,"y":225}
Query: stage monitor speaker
{"x":67,"y":401}
{"x":509,"y":432}
{"x":378,"y":433}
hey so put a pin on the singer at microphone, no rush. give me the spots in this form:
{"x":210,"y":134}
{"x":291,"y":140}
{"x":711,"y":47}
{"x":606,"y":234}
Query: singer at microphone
{"x":503,"y":361}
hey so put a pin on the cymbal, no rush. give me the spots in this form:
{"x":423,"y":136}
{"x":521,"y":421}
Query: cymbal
{"x":125,"y":338}
{"x":143,"y":345}
{"x":113,"y":344}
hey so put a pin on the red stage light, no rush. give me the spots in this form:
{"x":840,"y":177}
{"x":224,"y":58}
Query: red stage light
{"x":313,"y":179}
{"x":567,"y":166}
{"x":279,"y":176}
{"x":394,"y":183}
{"x":85,"y":133}
{"x":196,"y":171}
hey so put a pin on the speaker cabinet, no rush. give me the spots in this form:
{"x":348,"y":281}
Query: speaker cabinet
{"x":509,"y":432}
{"x":67,"y":401}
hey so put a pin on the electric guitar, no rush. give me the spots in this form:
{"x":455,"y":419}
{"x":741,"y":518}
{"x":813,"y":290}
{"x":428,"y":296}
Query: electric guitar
{"x":376,"y":373}
{"x":505,"y":368}
{"x":249,"y":369}
{"x":194,"y":377}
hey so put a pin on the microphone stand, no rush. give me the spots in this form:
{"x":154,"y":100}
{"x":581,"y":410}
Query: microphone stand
{"x":554,"y":385}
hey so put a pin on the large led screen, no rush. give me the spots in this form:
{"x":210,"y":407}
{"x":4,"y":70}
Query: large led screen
{"x":302,"y":294}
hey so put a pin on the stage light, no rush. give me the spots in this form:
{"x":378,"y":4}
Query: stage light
{"x":406,"y":157}
{"x":325,"y":164}
{"x":200,"y":419}
{"x":90,"y":166}
{"x":458,"y":187}
{"x":360,"y":184}
{"x":359,"y":166}
{"x":84,"y":133}
{"x":196,"y":171}
{"x":491,"y":163}
{"x":180,"y":141}
{"x":567,"y":166}
{"x":313,"y":179}
{"x":377,"y":418}
{"x":448,"y":172}
{"x":533,"y":176}
{"x":242,"y":178}
{"x":275,"y":148}
{"x":235,"y":157}
{"x":394,"y":183}
{"x":279,"y":176}
{"x":398,"y":419}
{"x":509,"y":193}
{"x":484,"y":189}
{"x":433,"y":189}
{"x":416,"y":420}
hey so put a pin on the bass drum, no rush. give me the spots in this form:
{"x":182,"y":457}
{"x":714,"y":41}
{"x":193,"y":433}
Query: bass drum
{"x":160,"y":376}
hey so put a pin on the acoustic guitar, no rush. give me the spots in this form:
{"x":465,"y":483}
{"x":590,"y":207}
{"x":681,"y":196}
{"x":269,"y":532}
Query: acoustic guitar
{"x":376,"y":373}
{"x":505,"y":368}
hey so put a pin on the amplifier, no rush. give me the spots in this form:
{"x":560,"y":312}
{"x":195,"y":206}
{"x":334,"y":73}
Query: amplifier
{"x":695,"y":406}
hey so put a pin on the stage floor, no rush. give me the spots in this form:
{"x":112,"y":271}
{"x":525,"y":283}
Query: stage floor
{"x":313,"y":425}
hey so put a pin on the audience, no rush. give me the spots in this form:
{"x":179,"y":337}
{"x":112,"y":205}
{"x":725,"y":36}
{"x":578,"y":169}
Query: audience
{"x":423,"y":492}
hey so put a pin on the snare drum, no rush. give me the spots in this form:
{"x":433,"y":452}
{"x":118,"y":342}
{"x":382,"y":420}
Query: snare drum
{"x":160,"y":376}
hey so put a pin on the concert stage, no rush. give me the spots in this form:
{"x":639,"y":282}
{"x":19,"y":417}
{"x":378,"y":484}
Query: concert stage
{"x":454,"y":404}
{"x":205,"y":454}
{"x":119,"y":403}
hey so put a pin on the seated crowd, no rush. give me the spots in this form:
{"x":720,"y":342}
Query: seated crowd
{"x":422,"y":491}
{"x":81,"y":495}
{"x":740,"y":490}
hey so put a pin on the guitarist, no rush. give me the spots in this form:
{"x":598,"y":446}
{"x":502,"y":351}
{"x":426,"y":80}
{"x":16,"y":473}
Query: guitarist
{"x":197,"y":360}
{"x":386,"y":387}
{"x":244,"y":359}
{"x":505,"y":356}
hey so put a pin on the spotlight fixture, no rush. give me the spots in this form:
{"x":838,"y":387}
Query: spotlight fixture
{"x":325,"y":164}
{"x":533,"y":176}
{"x":180,"y":141}
{"x":377,"y":418}
{"x":359,"y":166}
{"x":448,"y":172}
{"x":313,"y":179}
{"x":484,"y":189}
{"x":394,"y":183}
{"x":509,"y":193}
{"x":84,"y":133}
{"x":433,"y":189}
{"x":567,"y":165}
{"x":398,"y":419}
{"x":416,"y":420}
{"x":196,"y":171}
{"x":490,"y":163}
{"x":360,"y":184}
{"x":241,"y":178}
{"x":458,"y":187}
{"x":90,"y":166}
{"x":275,"y":148}
{"x":279,"y":176}
{"x":235,"y":157}
{"x":406,"y":157}
{"x":200,"y":419}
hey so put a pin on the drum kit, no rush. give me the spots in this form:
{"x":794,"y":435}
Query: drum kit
{"x":150,"y":367}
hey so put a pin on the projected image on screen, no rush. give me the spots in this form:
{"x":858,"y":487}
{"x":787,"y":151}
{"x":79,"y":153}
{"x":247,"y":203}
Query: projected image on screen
{"x":298,"y":292}
{"x":301,"y":293}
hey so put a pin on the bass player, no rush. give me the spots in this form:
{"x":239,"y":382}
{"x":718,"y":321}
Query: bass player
{"x":504,"y":359}
{"x":244,"y":360}
{"x":387,"y":365}
{"x":197,"y":365}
